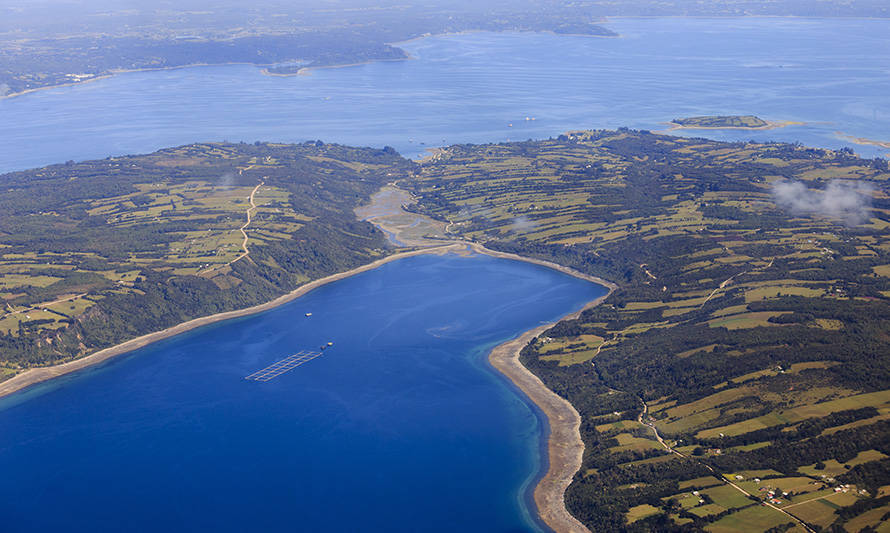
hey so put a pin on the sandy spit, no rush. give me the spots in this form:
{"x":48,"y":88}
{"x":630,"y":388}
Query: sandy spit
{"x":564,"y":447}
{"x":862,"y":140}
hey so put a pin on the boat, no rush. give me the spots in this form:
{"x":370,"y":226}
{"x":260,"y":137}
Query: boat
{"x":308,"y":314}
{"x":330,"y":344}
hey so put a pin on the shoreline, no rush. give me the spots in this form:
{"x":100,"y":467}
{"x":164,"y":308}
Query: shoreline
{"x":603,"y":20}
{"x":264,"y":68}
{"x":36,"y":375}
{"x":114,"y":72}
{"x":562,"y":448}
{"x":564,"y":445}
{"x":307,"y":71}
{"x":565,"y":449}
{"x":864,"y":141}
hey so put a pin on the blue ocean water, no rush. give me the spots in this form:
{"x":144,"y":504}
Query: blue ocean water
{"x":400,"y":426}
{"x":833,"y":74}
{"x":401,"y":422}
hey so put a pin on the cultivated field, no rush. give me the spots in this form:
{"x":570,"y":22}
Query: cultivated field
{"x":98,"y":252}
{"x":749,"y":334}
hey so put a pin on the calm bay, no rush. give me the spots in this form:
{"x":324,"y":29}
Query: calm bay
{"x":400,"y":425}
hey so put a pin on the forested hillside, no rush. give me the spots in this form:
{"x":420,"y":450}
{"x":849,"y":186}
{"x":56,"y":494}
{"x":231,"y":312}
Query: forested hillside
{"x":95,"y":253}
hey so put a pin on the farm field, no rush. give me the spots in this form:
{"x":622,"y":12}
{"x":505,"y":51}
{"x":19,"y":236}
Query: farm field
{"x":749,"y":334}
{"x":107,"y":250}
{"x":744,"y":349}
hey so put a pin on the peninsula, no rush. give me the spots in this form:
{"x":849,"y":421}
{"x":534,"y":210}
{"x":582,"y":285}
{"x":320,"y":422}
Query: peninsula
{"x":738,"y":377}
{"x":742,"y":354}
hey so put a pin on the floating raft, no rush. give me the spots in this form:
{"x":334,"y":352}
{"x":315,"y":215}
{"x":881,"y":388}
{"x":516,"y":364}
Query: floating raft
{"x":285,"y":365}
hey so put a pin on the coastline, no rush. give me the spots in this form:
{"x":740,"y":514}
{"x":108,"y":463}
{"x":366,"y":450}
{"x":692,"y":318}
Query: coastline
{"x":264,"y":68}
{"x":32,"y":376}
{"x":307,"y":71}
{"x":862,"y":140}
{"x":564,"y":445}
{"x":565,"y":449}
{"x":47,"y":87}
{"x":114,"y":72}
{"x":600,"y":22}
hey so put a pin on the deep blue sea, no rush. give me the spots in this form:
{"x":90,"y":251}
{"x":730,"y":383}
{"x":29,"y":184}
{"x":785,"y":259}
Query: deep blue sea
{"x":833,"y":74}
{"x":400,"y":426}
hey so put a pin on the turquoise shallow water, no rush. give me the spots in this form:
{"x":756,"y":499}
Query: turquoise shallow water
{"x":400,"y":426}
{"x":833,"y":74}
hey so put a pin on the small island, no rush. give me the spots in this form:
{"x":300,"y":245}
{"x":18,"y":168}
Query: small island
{"x":725,"y":122}
{"x":728,"y":121}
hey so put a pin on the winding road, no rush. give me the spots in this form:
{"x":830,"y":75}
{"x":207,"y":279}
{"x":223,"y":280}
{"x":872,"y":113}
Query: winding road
{"x":243,"y":229}
{"x":246,"y":252}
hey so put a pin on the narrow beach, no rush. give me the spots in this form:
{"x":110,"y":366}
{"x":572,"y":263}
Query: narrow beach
{"x":564,"y":446}
{"x":36,"y":375}
{"x":770,"y":125}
